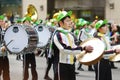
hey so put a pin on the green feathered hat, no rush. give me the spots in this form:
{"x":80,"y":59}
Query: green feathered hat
{"x":38,"y":21}
{"x":2,"y":17}
{"x":63,"y":14}
{"x":26,"y":18}
{"x":19,"y":20}
{"x":100,"y":23}
{"x":81,"y":22}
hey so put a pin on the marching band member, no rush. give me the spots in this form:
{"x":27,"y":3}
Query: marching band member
{"x":84,"y":32}
{"x":103,"y":68}
{"x":49,"y":57}
{"x":113,"y":33}
{"x":29,"y":58}
{"x":65,"y":49}
{"x":4,"y":61}
{"x":48,"y":52}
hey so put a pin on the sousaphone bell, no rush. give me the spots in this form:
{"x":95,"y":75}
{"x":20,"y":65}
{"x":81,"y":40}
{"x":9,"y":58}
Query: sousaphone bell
{"x":32,"y":12}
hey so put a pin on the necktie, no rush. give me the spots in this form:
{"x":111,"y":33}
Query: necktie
{"x":71,"y":56}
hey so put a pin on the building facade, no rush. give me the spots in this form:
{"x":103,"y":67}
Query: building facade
{"x":19,"y":7}
{"x":88,"y":9}
{"x":112,"y":11}
{"x":10,"y":7}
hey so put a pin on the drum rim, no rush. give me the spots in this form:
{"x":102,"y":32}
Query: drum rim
{"x":88,"y":40}
{"x":96,"y":59}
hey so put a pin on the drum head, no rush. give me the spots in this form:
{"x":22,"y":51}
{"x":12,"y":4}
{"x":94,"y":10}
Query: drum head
{"x":96,"y":54}
{"x":16,"y":38}
{"x":43,"y":35}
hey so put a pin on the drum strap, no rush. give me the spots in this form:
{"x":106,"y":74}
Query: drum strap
{"x":2,"y":33}
{"x":51,"y":41}
{"x":71,"y":56}
{"x":51,"y":44}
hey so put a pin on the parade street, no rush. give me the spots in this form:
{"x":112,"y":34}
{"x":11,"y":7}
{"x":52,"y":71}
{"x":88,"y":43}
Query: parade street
{"x":16,"y":70}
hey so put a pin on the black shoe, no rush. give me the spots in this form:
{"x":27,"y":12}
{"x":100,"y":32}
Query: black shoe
{"x":114,"y":67}
{"x":80,"y":69}
{"x":91,"y":69}
{"x":76,"y":72}
{"x":47,"y":78}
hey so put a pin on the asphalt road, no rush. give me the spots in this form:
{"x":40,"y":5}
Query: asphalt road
{"x":16,"y":70}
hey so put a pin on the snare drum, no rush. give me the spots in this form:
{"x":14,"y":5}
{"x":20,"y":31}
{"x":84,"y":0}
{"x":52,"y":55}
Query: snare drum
{"x":44,"y":35}
{"x":20,"y":38}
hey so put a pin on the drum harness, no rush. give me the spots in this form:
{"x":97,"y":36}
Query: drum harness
{"x":50,"y":53}
{"x":2,"y":42}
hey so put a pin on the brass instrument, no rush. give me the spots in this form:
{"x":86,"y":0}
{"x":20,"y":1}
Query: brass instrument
{"x":32,"y":12}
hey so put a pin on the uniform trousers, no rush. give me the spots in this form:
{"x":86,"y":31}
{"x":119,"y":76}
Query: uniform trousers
{"x":66,"y":72}
{"x":29,"y":59}
{"x":103,"y":70}
{"x":4,"y":68}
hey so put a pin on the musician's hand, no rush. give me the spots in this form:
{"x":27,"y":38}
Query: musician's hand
{"x":3,"y":49}
{"x":88,"y":48}
{"x":117,"y":51}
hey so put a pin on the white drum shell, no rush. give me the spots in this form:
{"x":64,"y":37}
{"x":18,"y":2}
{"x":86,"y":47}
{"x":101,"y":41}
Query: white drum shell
{"x":44,"y":35}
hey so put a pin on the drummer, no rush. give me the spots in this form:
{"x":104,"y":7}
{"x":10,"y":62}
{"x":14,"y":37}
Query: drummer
{"x":29,"y":58}
{"x":65,"y":49}
{"x":113,"y":33}
{"x":4,"y":61}
{"x":103,"y":68}
{"x":82,"y":33}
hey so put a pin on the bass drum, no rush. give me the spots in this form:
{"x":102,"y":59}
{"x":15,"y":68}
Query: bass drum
{"x":44,"y":35}
{"x":20,"y":38}
{"x":95,"y":55}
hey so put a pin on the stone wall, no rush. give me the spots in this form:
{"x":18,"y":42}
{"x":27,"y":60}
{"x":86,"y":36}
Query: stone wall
{"x":113,"y":11}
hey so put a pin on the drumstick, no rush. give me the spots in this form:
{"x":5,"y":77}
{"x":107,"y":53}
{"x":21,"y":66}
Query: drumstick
{"x":3,"y":47}
{"x":9,"y":42}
